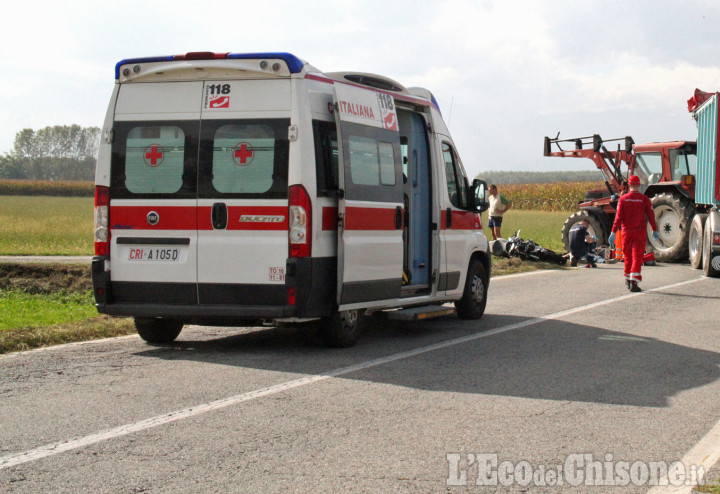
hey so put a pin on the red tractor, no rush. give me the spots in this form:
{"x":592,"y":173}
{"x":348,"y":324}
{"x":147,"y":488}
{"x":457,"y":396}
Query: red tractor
{"x":667,"y":171}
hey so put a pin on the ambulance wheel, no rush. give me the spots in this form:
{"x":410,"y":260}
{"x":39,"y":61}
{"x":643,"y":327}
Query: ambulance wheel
{"x":472,"y":304}
{"x":710,"y":264}
{"x":595,"y":227}
{"x":673,"y":214}
{"x":695,"y":240}
{"x":158,"y":330}
{"x":342,"y":329}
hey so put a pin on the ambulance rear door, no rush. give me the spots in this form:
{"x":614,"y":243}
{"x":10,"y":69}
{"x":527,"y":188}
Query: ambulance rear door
{"x":370,"y":206}
{"x":243,"y":192}
{"x":153,"y":197}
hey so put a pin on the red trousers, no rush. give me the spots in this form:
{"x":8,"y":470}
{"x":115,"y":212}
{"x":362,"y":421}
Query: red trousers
{"x":633,"y":251}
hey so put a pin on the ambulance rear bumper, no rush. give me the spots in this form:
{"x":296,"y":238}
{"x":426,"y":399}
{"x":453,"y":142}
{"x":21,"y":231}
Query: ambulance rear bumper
{"x":199,"y":311}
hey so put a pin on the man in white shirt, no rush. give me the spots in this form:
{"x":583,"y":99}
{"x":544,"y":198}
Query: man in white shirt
{"x":499,"y":204}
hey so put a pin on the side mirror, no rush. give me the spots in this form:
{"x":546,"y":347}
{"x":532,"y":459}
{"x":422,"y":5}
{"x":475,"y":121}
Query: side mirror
{"x":479,"y":196}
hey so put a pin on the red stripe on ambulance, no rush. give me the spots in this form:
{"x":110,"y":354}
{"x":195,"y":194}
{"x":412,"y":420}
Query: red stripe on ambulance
{"x":359,"y":218}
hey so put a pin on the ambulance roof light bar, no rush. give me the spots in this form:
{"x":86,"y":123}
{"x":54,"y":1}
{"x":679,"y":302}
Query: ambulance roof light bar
{"x":294,"y":64}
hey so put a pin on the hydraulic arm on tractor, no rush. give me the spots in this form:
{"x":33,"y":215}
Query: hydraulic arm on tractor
{"x":593,"y":147}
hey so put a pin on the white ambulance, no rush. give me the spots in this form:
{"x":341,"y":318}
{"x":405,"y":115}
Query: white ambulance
{"x":243,"y":189}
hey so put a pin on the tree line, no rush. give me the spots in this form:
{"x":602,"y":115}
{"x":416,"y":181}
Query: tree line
{"x":62,"y":152}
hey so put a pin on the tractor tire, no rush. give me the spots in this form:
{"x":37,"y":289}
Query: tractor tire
{"x":342,"y":329}
{"x":474,"y":299}
{"x":158,"y":330}
{"x":711,"y":265}
{"x":673,"y":214}
{"x":695,"y":240}
{"x":595,"y":227}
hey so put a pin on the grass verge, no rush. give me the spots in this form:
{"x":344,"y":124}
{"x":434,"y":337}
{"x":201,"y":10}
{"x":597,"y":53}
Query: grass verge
{"x":15,"y":340}
{"x":712,"y":487}
{"x":50,"y":304}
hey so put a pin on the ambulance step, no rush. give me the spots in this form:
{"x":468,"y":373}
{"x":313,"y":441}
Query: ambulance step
{"x":417,"y":313}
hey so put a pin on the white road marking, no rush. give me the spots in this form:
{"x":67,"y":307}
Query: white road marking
{"x":704,"y":448}
{"x":703,"y":455}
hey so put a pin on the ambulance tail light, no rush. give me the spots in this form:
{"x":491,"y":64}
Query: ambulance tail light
{"x":102,"y":220}
{"x":299,"y":222}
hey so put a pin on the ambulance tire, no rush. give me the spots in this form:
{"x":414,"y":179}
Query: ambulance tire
{"x":695,"y":240}
{"x":711,"y":265}
{"x":472,"y":304}
{"x":342,"y":329}
{"x":158,"y":330}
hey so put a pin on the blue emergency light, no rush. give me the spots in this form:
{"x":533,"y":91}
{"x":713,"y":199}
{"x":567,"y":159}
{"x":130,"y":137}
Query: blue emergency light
{"x":294,"y":64}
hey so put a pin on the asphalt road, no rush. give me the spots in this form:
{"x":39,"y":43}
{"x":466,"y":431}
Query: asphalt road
{"x":568,"y":379}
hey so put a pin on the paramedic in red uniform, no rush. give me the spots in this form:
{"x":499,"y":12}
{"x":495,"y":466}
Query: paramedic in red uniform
{"x":633,"y":212}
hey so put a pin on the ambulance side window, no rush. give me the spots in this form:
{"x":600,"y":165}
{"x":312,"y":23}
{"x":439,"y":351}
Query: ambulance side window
{"x":372,"y":162}
{"x":455,"y":177}
{"x":326,"y":157}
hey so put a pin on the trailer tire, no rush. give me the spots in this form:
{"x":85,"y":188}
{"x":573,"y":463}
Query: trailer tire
{"x":711,"y":265}
{"x":342,"y":329}
{"x":474,"y":299}
{"x":158,"y":330}
{"x":673,"y":214}
{"x":696,"y":240}
{"x":595,"y":227}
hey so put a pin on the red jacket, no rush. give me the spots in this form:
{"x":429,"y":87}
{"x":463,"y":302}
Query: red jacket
{"x":634,"y":208}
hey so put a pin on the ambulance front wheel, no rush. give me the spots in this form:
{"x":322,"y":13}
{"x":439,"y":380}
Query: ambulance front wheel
{"x":472,"y":304}
{"x":158,"y":330}
{"x":342,"y":329}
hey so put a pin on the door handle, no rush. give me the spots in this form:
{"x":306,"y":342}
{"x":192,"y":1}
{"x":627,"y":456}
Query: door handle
{"x":448,"y":218}
{"x":219,"y":216}
{"x":398,"y":218}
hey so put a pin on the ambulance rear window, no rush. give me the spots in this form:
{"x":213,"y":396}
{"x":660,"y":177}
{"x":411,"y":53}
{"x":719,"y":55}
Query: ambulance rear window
{"x":154,"y":160}
{"x":243,"y":159}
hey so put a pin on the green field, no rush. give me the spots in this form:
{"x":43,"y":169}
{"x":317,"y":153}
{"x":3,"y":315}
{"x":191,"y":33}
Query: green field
{"x":42,"y":225}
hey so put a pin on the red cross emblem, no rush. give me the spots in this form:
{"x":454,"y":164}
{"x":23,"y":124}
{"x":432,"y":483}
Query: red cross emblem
{"x":243,"y":154}
{"x":154,"y":155}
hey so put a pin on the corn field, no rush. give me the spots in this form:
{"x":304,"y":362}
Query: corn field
{"x":46,"y":188}
{"x":559,"y":196}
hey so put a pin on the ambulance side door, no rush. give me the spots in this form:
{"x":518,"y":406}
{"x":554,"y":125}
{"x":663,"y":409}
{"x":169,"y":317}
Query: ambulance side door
{"x":370,"y":214}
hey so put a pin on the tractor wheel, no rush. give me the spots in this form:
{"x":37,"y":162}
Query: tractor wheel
{"x":342,"y":329}
{"x":711,"y":265}
{"x":595,"y":227}
{"x":158,"y":330}
{"x":673,"y":214}
{"x":695,"y":240}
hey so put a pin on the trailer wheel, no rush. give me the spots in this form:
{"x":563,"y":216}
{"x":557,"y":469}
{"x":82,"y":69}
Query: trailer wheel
{"x":673,"y":214}
{"x":595,"y":227}
{"x":474,"y":299}
{"x":711,"y":264}
{"x":695,"y":240}
{"x":158,"y":330}
{"x":342,"y":329}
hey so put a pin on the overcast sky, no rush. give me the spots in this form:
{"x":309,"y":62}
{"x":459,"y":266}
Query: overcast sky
{"x":505,"y":72}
